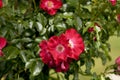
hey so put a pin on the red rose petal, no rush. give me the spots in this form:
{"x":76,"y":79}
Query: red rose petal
{"x":76,"y":43}
{"x":45,"y":54}
{"x":2,"y":42}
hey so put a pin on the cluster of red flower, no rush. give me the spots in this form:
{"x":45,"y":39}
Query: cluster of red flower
{"x":2,"y":45}
{"x":59,"y":51}
{"x":50,"y":6}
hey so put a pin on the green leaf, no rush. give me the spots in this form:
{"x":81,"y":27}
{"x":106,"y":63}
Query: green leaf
{"x":26,"y":55}
{"x":73,"y":3}
{"x":26,"y":39}
{"x":78,"y":22}
{"x":24,"y":58}
{"x":42,"y":19}
{"x":11,"y":52}
{"x":88,"y":7}
{"x":67,"y":15}
{"x":35,"y":66}
{"x":39,"y":26}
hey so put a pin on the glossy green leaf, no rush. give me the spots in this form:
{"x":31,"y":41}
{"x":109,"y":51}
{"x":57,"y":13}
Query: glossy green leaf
{"x":11,"y":52}
{"x":35,"y":66}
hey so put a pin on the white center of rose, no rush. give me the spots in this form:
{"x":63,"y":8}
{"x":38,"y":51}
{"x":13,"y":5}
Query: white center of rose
{"x":71,"y":45}
{"x":60,"y":48}
{"x":49,"y":4}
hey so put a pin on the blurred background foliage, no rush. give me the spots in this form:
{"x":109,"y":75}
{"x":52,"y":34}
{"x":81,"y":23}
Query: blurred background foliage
{"x":24,"y":25}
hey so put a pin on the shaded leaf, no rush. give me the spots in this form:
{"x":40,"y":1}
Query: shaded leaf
{"x":11,"y":52}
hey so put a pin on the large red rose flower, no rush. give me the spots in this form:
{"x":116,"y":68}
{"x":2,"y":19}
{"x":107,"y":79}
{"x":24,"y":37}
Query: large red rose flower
{"x":50,"y":6}
{"x":75,"y":43}
{"x":45,"y":54}
{"x":58,"y":46}
{"x":59,"y":51}
{"x":2,"y":45}
{"x":1,"y":3}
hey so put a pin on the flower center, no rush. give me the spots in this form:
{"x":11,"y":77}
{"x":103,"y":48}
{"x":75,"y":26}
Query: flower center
{"x":60,"y":48}
{"x":49,"y":4}
{"x":71,"y":45}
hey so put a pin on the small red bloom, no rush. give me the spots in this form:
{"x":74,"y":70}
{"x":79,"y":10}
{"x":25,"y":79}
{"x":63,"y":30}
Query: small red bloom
{"x":113,"y":2}
{"x":1,"y":3}
{"x":2,"y":45}
{"x":45,"y":54}
{"x":118,"y":18}
{"x":118,"y":61}
{"x":75,"y":43}
{"x":58,"y":47}
{"x":50,"y":6}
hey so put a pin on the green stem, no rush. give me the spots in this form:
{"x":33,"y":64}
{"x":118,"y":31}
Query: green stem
{"x":35,"y":5}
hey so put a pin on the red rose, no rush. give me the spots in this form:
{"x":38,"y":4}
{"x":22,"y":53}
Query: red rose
{"x":59,"y":51}
{"x":118,"y":61}
{"x":1,"y":3}
{"x":45,"y":54}
{"x":50,"y":6}
{"x":118,"y":18}
{"x":58,"y":47}
{"x":113,"y":2}
{"x":2,"y":45}
{"x":75,"y":43}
